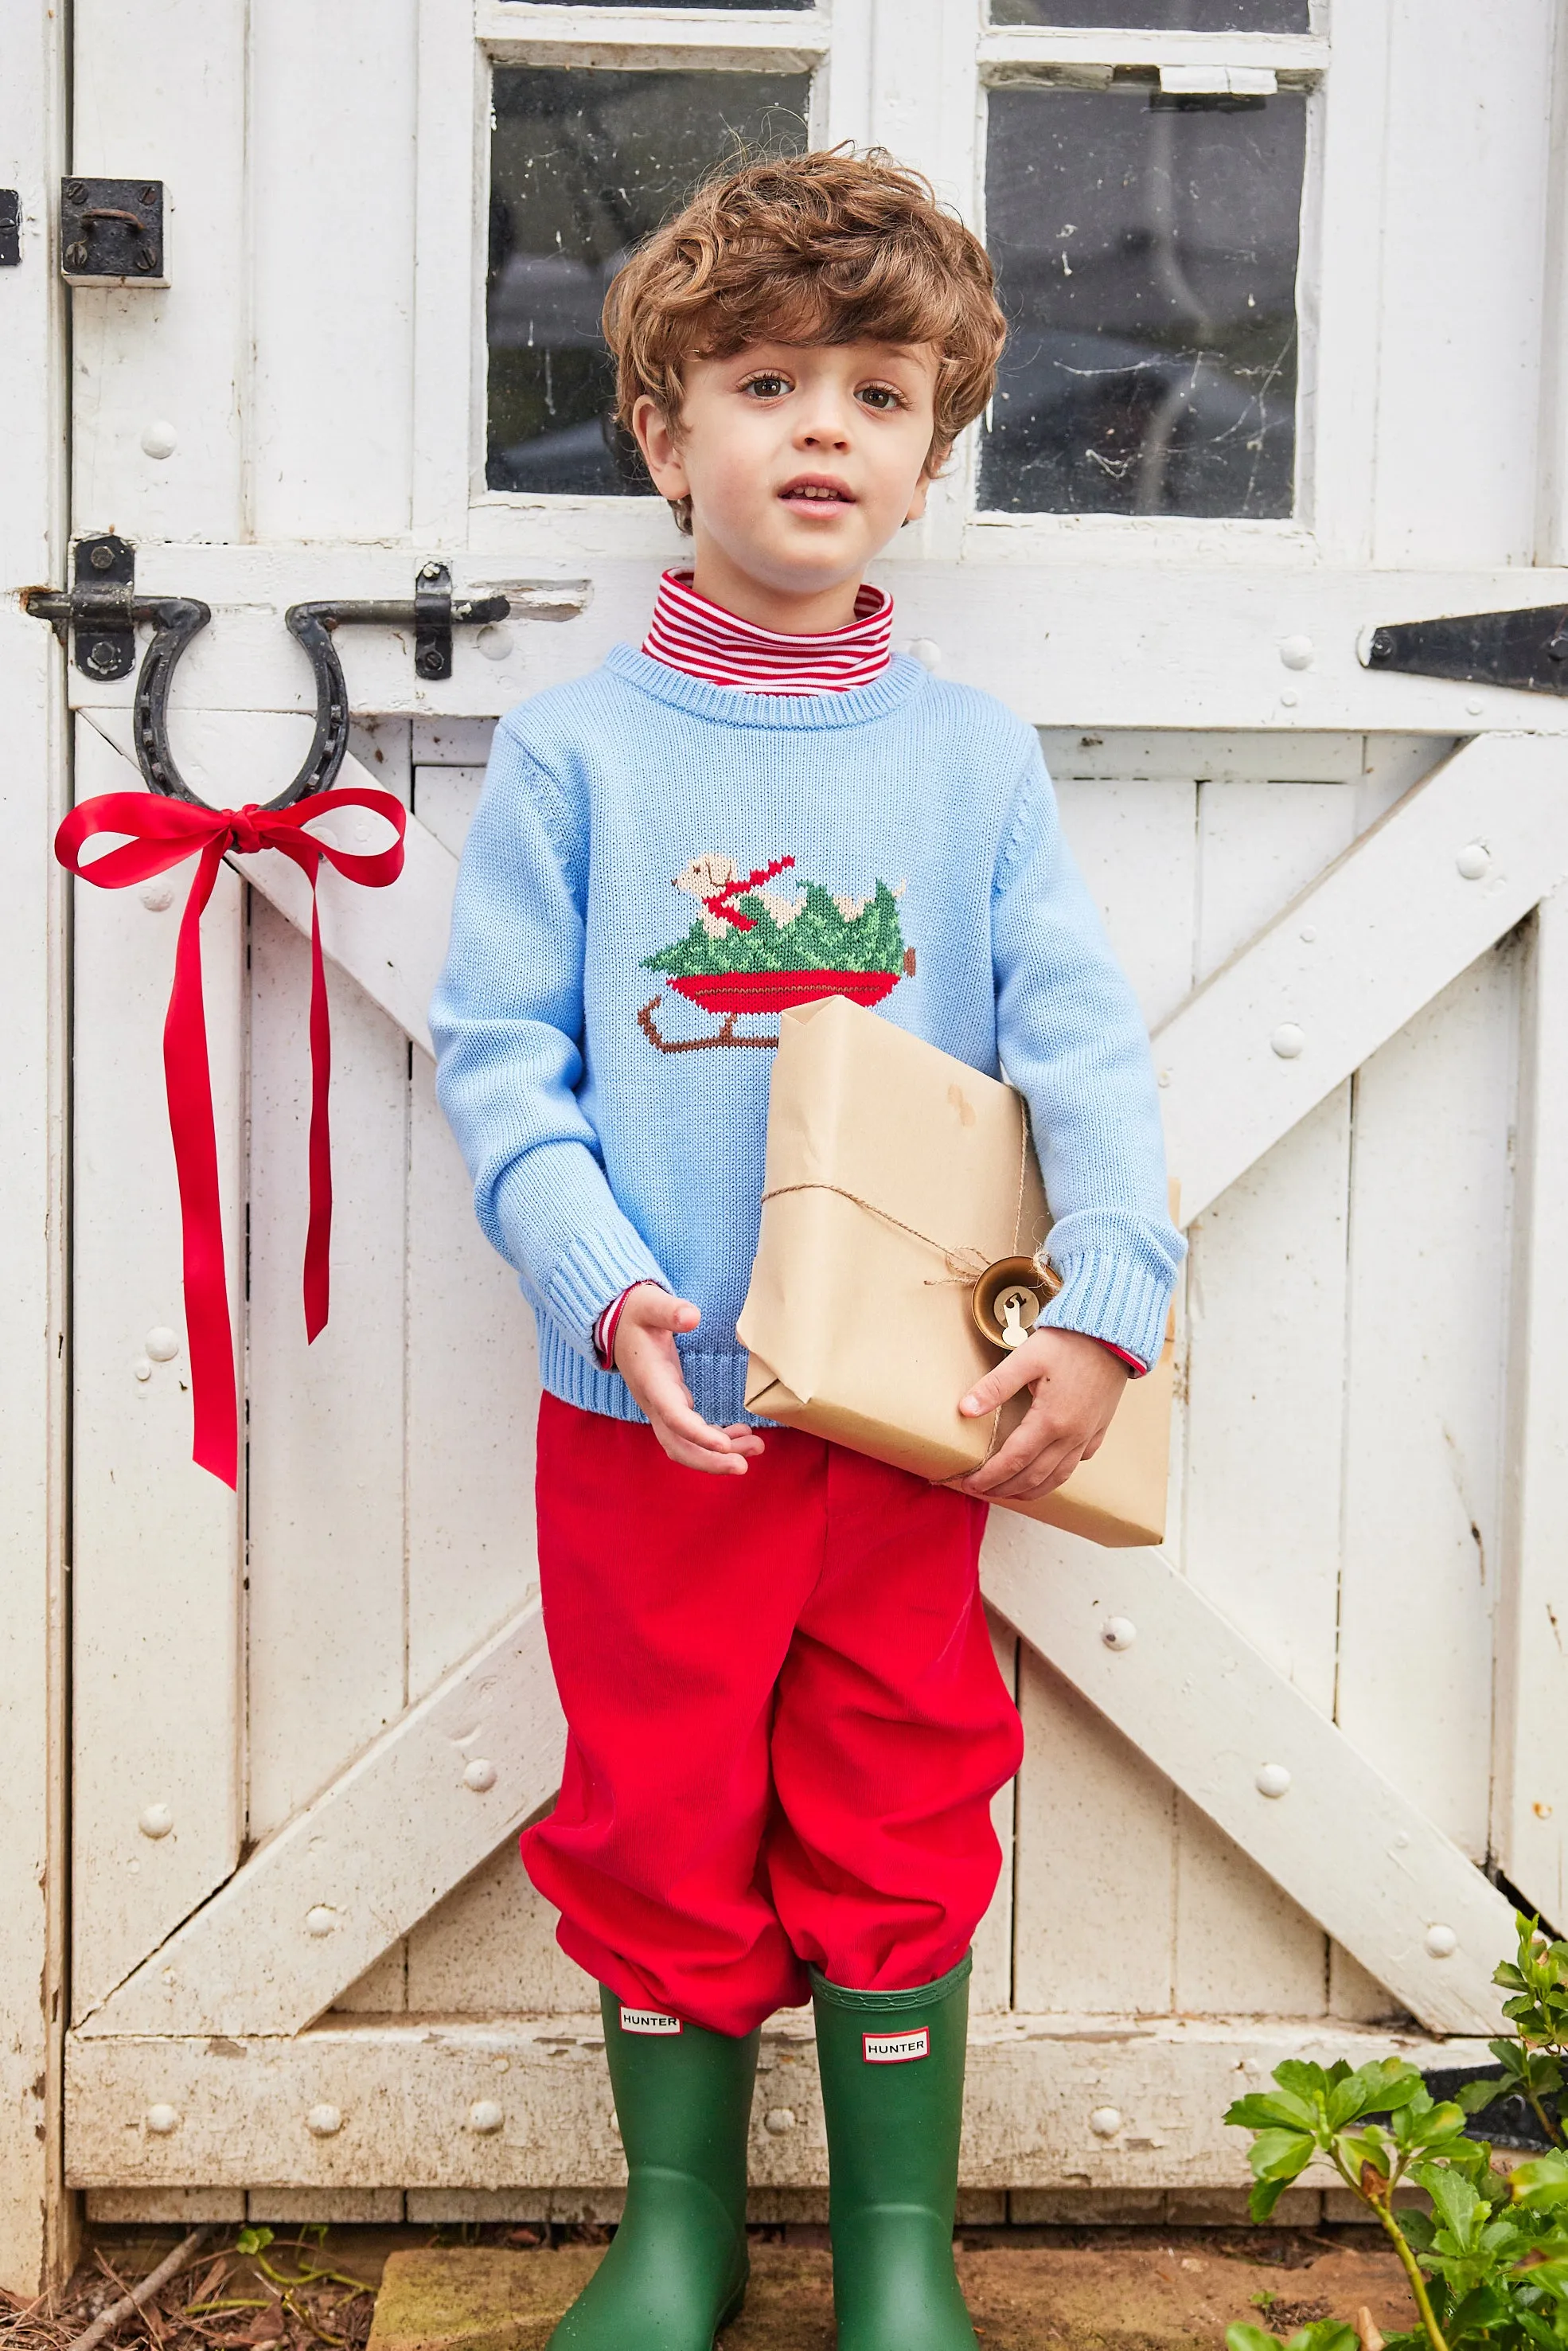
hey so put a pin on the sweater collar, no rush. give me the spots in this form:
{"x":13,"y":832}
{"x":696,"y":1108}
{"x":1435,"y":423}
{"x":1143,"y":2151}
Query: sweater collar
{"x":736,"y":705}
{"x":692,"y":633}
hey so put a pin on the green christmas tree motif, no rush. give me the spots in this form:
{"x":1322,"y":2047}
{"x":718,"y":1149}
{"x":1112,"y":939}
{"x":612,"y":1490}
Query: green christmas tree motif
{"x":820,"y":938}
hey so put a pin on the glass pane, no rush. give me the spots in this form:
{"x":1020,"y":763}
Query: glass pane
{"x":583,"y":164}
{"x":1157,"y":16}
{"x":1145,"y":251}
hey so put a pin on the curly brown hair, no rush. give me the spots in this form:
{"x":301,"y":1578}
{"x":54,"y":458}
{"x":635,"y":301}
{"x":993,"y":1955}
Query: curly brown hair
{"x":828,"y":247}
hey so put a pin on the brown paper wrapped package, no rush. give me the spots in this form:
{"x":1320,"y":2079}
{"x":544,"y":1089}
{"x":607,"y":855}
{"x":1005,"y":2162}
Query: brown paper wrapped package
{"x":894,"y":1176}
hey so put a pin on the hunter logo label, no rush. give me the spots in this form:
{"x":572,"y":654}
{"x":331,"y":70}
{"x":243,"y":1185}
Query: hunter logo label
{"x":897,"y":2048}
{"x":753,"y":949}
{"x":647,"y":2020}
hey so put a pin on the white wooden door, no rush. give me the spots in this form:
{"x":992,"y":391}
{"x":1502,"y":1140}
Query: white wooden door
{"x":1285,"y":366}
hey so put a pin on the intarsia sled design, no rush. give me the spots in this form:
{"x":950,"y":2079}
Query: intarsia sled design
{"x":755,"y":950}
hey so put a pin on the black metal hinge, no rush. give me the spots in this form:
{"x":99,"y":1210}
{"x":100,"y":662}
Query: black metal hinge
{"x":10,"y":228}
{"x":1527,"y":649}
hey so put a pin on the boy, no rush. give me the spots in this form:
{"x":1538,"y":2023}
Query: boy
{"x":786,"y":1725}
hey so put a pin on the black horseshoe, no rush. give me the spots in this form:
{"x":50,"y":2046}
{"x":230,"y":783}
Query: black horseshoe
{"x":177,"y":619}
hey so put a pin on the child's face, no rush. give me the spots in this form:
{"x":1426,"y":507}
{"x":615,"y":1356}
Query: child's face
{"x":801,"y":461}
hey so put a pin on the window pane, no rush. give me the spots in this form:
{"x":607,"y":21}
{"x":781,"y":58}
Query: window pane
{"x":583,"y":164}
{"x":1145,"y":251}
{"x":1157,"y":16}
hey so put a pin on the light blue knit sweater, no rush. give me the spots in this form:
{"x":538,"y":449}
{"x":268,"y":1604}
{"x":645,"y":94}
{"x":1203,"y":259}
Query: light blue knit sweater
{"x":913,"y":836}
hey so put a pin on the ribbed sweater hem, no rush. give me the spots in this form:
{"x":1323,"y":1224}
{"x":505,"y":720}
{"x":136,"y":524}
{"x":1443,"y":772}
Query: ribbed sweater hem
{"x":717,"y":1382}
{"x":738,"y":707}
{"x":1112,"y":1298}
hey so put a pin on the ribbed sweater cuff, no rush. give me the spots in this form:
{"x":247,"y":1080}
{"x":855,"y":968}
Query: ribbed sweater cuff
{"x":1113,"y":1298}
{"x":592,"y":1271}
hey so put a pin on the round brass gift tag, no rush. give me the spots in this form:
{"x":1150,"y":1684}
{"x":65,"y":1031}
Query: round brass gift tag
{"x":1008,"y":1298}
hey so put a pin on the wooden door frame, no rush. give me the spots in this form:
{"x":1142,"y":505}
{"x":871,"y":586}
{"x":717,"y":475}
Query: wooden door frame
{"x":39,"y":2220}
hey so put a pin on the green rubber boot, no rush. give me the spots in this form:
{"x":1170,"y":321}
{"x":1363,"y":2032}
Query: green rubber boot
{"x":893,"y":2090}
{"x":676,"y":2272}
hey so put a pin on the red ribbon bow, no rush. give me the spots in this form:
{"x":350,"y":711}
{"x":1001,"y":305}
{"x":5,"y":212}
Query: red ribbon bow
{"x":163,"y":832}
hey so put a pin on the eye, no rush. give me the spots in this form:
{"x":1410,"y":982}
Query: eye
{"x":880,"y":396}
{"x":767,"y":386}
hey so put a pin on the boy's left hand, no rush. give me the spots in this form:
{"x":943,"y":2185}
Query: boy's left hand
{"x":1077,"y":1385}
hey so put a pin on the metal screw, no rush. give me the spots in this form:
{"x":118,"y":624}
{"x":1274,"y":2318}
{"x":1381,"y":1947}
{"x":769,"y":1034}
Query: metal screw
{"x":162,"y":2120}
{"x":479,"y":1775}
{"x":144,"y":261}
{"x":319,"y":1919}
{"x":102,"y":557}
{"x":76,"y":190}
{"x":1288,"y":1041}
{"x":1441,"y":1942}
{"x":1272,"y":1780}
{"x":75,"y":256}
{"x":430,"y":663}
{"x":485,"y":2116}
{"x":156,"y":1821}
{"x":101,"y":656}
{"x":1382,"y":648}
{"x":1105,"y":2122}
{"x":430,"y":571}
{"x":324,"y":2121}
{"x":149,"y":195}
{"x":1118,"y":1633}
{"x":778,"y":2120}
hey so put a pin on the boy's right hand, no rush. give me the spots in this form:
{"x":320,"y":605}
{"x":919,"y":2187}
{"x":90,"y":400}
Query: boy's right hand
{"x":647,"y":1359}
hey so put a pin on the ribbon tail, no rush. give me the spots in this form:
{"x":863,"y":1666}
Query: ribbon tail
{"x":188,"y":1079}
{"x":319,"y":1228}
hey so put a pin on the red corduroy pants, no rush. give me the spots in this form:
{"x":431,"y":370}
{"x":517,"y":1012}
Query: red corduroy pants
{"x":785,"y":1721}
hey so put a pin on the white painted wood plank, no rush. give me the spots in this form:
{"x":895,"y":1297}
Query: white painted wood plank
{"x":452,"y":124}
{"x":1530,"y":1801}
{"x":324,"y":1896}
{"x":37,"y":2221}
{"x":324,"y":1630}
{"x":1464,"y":179}
{"x":991,"y":1983}
{"x":405,"y":2091}
{"x":171,"y":105}
{"x":489,"y":1949}
{"x":1340,"y":291}
{"x":1209,"y":1711}
{"x":331,"y":143}
{"x":445,"y":800}
{"x":1095,"y":1858}
{"x":1139,"y":635}
{"x":1242,"y":1946}
{"x":1360,"y":952}
{"x":473,"y":1392}
{"x":157,"y":1568}
{"x":1136,"y":843}
{"x":1428,"y":1283}
{"x":1265,"y":1412}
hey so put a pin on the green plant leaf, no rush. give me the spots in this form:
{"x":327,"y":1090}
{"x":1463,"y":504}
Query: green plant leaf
{"x":1243,"y":2336}
{"x":253,"y":2241}
{"x":1542,"y":2184}
{"x":1265,"y":2195}
{"x":1265,"y":2109}
{"x":1280,"y":2154}
{"x":1324,"y":2334}
{"x":1475,"y":2097}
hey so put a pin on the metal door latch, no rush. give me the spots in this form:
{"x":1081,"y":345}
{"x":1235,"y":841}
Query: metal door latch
{"x":1527,"y":649}
{"x":101,"y":608}
{"x":112,"y":232}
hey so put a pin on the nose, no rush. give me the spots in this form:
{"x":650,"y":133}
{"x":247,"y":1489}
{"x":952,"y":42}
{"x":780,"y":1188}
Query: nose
{"x":824,"y":421}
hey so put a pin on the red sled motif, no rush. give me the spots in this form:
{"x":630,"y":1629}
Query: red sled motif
{"x":753,"y":950}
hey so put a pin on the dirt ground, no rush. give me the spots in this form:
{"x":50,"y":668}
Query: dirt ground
{"x":418,"y":2290}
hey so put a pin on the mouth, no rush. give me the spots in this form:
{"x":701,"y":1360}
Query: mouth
{"x":816,"y":493}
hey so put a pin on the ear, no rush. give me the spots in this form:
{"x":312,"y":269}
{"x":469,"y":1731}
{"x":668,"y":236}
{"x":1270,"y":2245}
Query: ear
{"x":659,"y":451}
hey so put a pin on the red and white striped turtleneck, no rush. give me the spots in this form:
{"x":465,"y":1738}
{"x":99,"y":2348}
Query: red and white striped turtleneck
{"x":691,"y":632}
